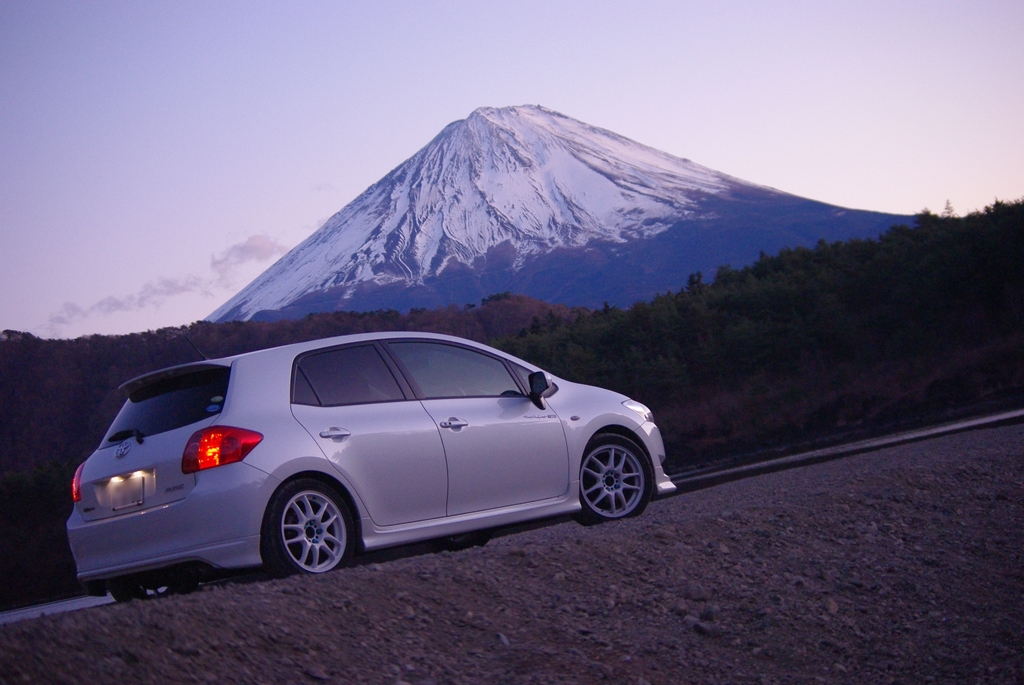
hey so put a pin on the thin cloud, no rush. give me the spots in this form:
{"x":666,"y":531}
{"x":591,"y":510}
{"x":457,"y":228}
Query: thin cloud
{"x":152,"y":294}
{"x":256,"y":248}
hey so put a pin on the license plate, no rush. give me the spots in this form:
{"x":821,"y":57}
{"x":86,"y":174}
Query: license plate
{"x":127,"y":493}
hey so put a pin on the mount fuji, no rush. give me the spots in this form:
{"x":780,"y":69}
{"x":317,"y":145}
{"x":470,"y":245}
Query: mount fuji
{"x":528,"y":200}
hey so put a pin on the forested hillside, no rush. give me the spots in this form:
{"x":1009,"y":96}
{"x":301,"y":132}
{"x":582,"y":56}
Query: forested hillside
{"x":811,"y":341}
{"x":806,"y":345}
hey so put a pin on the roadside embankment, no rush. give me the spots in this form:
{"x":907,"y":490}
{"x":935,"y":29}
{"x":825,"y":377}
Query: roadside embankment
{"x":902,"y":565}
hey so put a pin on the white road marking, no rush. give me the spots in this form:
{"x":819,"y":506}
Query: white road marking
{"x":58,"y":607}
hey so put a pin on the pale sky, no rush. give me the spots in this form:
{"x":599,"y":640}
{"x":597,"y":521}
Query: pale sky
{"x":157,"y":156}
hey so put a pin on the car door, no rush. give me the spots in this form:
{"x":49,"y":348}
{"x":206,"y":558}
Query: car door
{"x":500,"y":448}
{"x":386,"y":444}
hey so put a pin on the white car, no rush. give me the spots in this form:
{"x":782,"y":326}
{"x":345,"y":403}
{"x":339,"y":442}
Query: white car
{"x":298,"y":457}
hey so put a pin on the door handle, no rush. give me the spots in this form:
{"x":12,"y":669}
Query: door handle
{"x":336,"y":434}
{"x":454,"y":423}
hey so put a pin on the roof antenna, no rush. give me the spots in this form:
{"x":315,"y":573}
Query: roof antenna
{"x":205,"y":358}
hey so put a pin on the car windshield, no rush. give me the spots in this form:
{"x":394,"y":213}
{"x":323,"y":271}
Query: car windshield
{"x":170,"y":403}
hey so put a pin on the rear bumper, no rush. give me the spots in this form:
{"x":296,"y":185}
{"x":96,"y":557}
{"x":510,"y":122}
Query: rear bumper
{"x":218,"y":523}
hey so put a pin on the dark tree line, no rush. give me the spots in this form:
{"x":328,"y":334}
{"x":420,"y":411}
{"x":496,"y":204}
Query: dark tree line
{"x":838,"y":340}
{"x":811,"y":340}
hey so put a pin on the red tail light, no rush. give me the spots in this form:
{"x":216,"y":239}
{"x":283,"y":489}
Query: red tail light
{"x":216,"y":446}
{"x":76,"y":484}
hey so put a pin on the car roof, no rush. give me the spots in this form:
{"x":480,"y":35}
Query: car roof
{"x":298,"y":348}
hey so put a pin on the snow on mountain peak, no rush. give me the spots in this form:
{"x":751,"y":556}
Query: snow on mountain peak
{"x":523,"y":176}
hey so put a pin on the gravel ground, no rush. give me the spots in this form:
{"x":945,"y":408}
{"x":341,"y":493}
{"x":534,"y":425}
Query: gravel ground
{"x":900,"y":566}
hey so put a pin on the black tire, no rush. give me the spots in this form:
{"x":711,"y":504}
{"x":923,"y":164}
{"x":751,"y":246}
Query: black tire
{"x":616,"y":480}
{"x":181,"y":581}
{"x":307,"y":528}
{"x":154,"y":584}
{"x":126,"y":588}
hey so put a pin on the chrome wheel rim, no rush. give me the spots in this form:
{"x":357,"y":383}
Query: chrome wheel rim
{"x":612,"y":481}
{"x":313,"y":532}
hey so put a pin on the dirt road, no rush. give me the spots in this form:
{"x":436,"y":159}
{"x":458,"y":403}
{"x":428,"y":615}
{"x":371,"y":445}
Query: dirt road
{"x":898,"y":566}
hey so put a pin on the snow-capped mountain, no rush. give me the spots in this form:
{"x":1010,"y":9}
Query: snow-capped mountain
{"x":481,"y":206}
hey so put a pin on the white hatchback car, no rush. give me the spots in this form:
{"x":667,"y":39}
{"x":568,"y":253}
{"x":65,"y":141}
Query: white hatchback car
{"x":298,"y":457}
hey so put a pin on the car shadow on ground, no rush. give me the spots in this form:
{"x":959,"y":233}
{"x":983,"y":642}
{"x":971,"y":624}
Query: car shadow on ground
{"x":435,"y":546}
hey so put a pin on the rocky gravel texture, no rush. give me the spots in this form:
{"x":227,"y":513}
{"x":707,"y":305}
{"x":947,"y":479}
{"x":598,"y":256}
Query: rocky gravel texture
{"x":899,"y":566}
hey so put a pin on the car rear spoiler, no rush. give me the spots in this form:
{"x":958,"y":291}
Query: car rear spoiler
{"x":170,"y":372}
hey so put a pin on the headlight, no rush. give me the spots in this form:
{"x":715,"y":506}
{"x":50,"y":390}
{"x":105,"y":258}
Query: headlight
{"x":640,"y":409}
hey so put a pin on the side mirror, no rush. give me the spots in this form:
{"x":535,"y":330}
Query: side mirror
{"x":539,"y":388}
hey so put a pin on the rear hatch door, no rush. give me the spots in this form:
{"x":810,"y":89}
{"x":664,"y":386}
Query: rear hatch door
{"x":138,"y":463}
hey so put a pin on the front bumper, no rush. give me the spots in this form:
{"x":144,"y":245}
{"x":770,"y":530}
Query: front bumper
{"x":651,"y":435}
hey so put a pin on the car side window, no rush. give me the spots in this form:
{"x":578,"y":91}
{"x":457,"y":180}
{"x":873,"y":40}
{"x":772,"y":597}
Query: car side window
{"x":448,"y":371}
{"x":349,"y":375}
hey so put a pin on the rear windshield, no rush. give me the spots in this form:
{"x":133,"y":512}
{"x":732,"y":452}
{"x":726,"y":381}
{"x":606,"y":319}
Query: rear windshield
{"x":170,"y":403}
